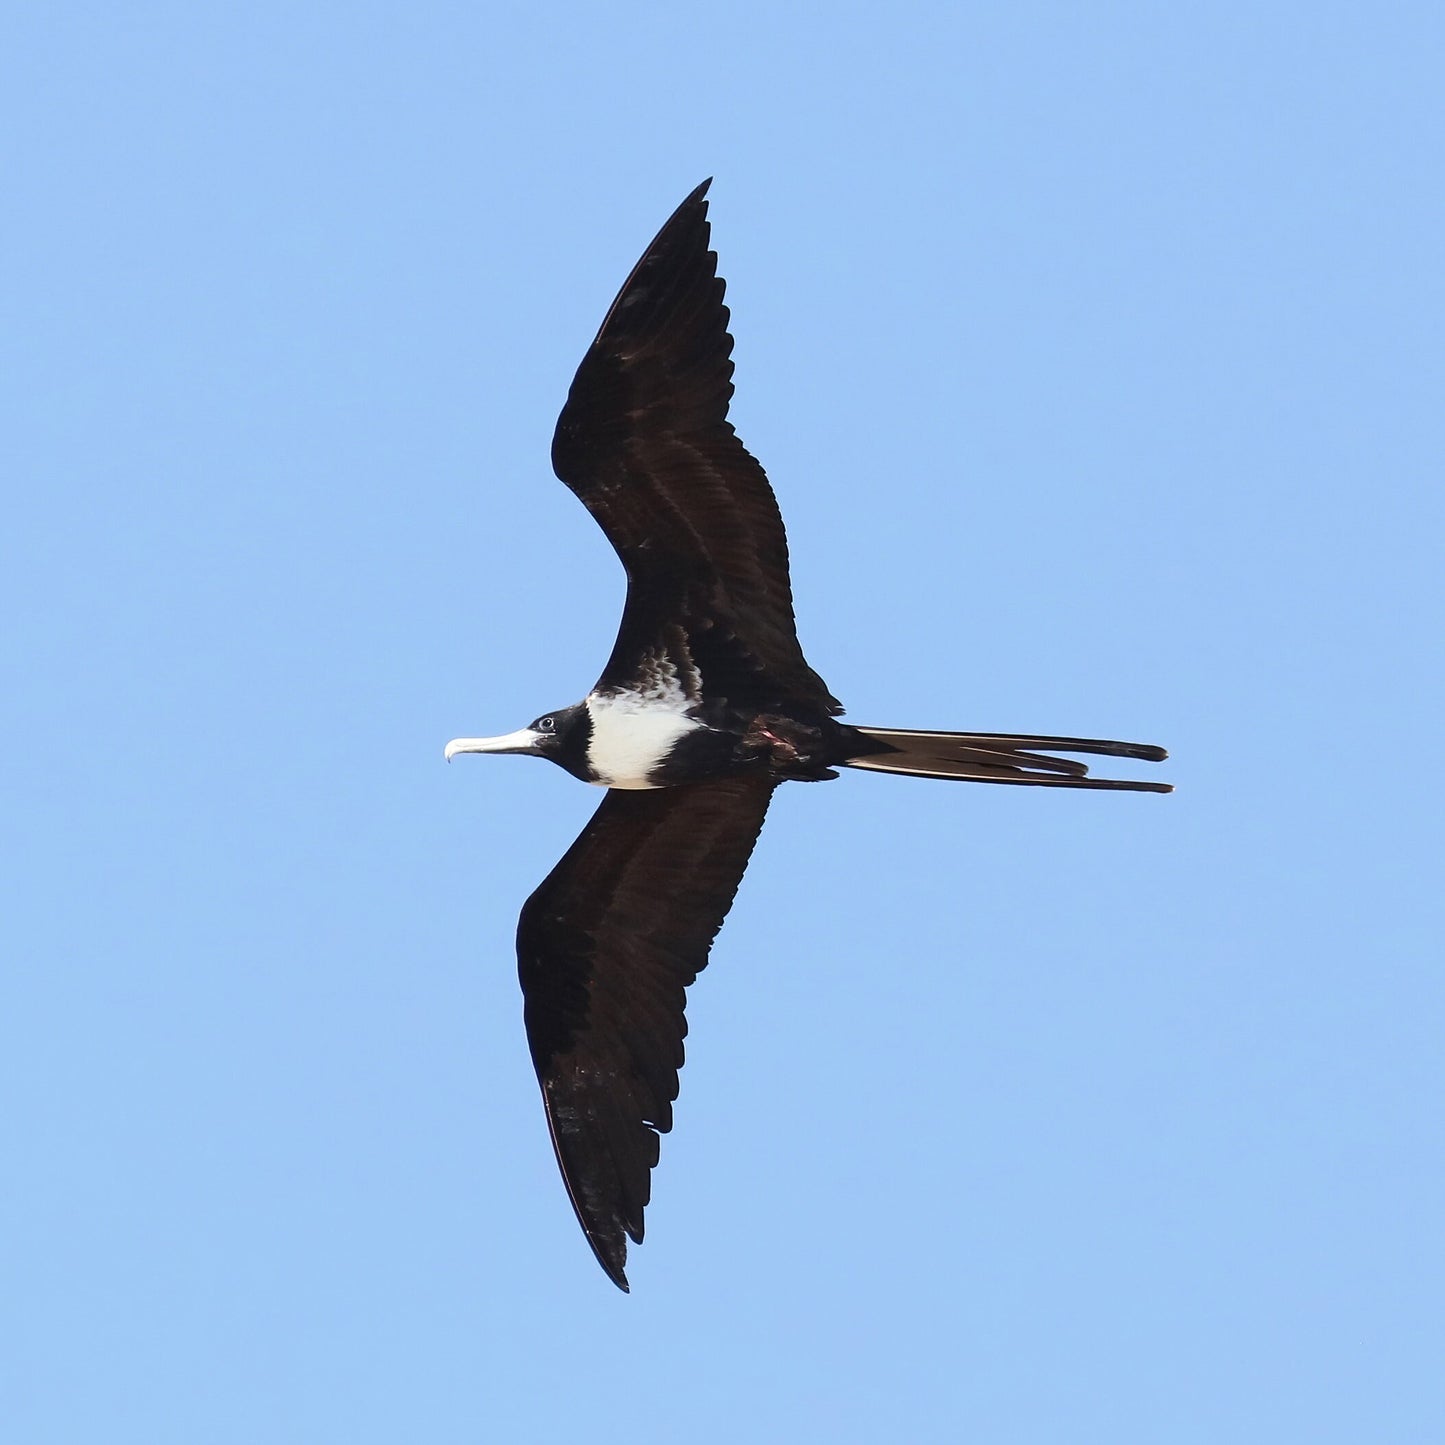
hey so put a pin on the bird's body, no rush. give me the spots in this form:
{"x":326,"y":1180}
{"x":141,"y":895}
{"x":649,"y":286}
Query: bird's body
{"x":704,"y":707}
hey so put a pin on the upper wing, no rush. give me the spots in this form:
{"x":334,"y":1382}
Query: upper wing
{"x":645,"y":442}
{"x":606,"y":947}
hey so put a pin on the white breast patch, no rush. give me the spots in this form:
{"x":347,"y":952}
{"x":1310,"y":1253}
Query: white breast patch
{"x":633,"y":732}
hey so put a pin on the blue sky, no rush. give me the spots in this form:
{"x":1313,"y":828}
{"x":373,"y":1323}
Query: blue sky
{"x":1095,"y":355}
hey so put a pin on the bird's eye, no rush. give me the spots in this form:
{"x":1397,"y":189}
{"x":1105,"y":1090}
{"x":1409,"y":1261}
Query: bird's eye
{"x":546,"y":724}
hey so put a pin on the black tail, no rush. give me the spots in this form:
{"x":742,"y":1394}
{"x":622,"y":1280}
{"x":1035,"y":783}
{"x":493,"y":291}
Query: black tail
{"x":997,"y":758}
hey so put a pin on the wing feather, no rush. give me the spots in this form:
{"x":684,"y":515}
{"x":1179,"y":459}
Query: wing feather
{"x":606,"y":949}
{"x":645,"y":443}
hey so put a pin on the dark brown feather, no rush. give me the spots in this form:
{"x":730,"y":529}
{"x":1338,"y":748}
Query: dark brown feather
{"x":606,"y":949}
{"x":645,"y":443}
{"x":997,"y":758}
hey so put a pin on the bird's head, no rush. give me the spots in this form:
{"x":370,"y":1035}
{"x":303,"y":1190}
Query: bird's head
{"x":560,"y":735}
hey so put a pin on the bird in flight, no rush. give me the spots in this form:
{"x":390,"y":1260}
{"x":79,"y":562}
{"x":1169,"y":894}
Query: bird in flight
{"x":705,"y":706}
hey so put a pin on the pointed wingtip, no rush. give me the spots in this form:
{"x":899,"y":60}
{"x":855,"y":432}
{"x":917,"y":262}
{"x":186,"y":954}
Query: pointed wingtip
{"x":612,"y":1261}
{"x":697,"y":196}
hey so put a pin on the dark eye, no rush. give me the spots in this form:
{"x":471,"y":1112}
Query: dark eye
{"x":546,"y":724}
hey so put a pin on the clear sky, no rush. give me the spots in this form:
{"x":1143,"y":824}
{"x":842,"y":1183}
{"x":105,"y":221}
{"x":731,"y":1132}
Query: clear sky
{"x":1095,"y":353}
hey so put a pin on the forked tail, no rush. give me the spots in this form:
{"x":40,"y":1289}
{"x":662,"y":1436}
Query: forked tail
{"x":998,"y":758}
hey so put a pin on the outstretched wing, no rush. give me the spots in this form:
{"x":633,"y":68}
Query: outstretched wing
{"x":645,"y":442}
{"x":606,"y":948}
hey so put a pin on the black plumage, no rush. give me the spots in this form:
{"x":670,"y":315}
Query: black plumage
{"x":705,"y":705}
{"x":645,"y":443}
{"x":606,"y":948}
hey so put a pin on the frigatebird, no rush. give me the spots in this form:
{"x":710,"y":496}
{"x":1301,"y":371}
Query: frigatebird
{"x":706,"y":705}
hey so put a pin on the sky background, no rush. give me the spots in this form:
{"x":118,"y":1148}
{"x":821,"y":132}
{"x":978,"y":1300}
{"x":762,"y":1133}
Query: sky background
{"x":1095,"y":353}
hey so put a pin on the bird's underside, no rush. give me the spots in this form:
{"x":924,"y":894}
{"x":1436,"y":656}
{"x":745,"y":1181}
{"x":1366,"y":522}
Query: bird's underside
{"x":705,"y":705}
